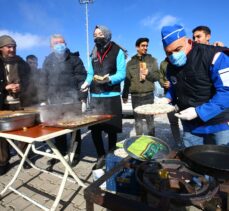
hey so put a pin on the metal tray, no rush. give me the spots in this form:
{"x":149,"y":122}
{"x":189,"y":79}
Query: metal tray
{"x":17,"y":120}
{"x":53,"y":112}
{"x":79,"y":121}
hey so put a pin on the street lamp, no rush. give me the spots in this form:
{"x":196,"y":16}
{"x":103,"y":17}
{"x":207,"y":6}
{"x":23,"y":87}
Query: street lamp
{"x":86,"y":2}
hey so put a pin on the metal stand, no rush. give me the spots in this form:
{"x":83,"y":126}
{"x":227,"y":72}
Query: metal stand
{"x":57,"y":155}
{"x":93,"y":194}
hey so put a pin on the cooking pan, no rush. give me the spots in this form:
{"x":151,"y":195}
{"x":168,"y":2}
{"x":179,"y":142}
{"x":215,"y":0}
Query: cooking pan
{"x":53,"y":112}
{"x":207,"y":159}
{"x":161,"y":153}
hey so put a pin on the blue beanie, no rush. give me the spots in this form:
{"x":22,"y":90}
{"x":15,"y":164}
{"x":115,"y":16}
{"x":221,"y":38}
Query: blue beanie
{"x":169,"y":34}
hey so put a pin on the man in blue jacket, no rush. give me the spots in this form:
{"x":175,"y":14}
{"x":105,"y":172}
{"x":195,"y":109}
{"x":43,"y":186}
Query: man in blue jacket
{"x":199,"y":76}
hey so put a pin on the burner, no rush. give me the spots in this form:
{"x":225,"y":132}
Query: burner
{"x":169,"y":178}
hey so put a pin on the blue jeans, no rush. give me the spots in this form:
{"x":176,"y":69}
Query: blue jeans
{"x":218,"y":138}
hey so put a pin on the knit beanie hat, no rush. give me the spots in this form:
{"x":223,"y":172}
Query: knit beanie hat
{"x":169,"y":34}
{"x":106,"y":32}
{"x":6,"y":40}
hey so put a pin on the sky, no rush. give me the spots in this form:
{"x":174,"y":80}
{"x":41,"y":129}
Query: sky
{"x":31,"y":22}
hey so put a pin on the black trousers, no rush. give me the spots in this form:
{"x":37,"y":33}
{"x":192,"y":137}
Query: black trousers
{"x":5,"y":150}
{"x":174,"y":125}
{"x":4,"y":145}
{"x":98,"y":141}
{"x":106,"y":105}
{"x":138,"y":101}
{"x":62,"y":145}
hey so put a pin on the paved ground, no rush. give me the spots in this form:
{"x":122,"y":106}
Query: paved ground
{"x":43,"y":187}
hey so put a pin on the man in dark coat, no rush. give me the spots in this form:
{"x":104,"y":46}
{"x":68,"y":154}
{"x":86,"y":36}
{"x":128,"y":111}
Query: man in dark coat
{"x":15,"y":74}
{"x":64,"y":72}
{"x":4,"y":149}
{"x":37,"y":76}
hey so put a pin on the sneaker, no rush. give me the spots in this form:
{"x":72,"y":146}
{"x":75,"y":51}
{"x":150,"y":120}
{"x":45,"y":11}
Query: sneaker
{"x":26,"y":165}
{"x":48,"y":150}
{"x":13,"y":152}
{"x":76,"y":160}
{"x":52,"y":162}
{"x":4,"y":169}
{"x":100,"y":162}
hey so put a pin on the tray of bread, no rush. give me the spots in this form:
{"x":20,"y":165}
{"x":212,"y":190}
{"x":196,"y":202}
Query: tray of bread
{"x":78,"y":121}
{"x":155,"y":108}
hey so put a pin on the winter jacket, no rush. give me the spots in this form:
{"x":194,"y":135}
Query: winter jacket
{"x":163,"y":74}
{"x":2,"y":85}
{"x":63,"y":78}
{"x":203,"y":83}
{"x":105,"y":64}
{"x":132,"y":83}
{"x":117,"y":71}
{"x":20,"y":73}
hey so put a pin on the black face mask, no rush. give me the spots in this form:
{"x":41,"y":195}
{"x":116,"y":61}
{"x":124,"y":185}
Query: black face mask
{"x":100,"y":42}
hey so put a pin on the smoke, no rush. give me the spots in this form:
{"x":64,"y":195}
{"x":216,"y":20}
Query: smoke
{"x":61,"y":82}
{"x":59,"y":89}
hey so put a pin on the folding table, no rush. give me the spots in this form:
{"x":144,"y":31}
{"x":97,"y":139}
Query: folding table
{"x":39,"y":133}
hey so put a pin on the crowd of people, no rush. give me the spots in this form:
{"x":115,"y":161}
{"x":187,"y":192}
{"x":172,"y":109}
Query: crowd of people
{"x":194,"y":75}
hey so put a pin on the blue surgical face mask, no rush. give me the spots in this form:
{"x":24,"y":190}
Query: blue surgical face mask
{"x":59,"y":48}
{"x":178,"y":58}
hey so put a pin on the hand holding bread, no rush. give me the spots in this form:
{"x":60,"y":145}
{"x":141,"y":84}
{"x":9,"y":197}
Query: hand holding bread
{"x":101,"y":79}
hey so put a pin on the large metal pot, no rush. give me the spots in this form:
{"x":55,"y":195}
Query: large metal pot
{"x":17,"y":120}
{"x":53,"y":112}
